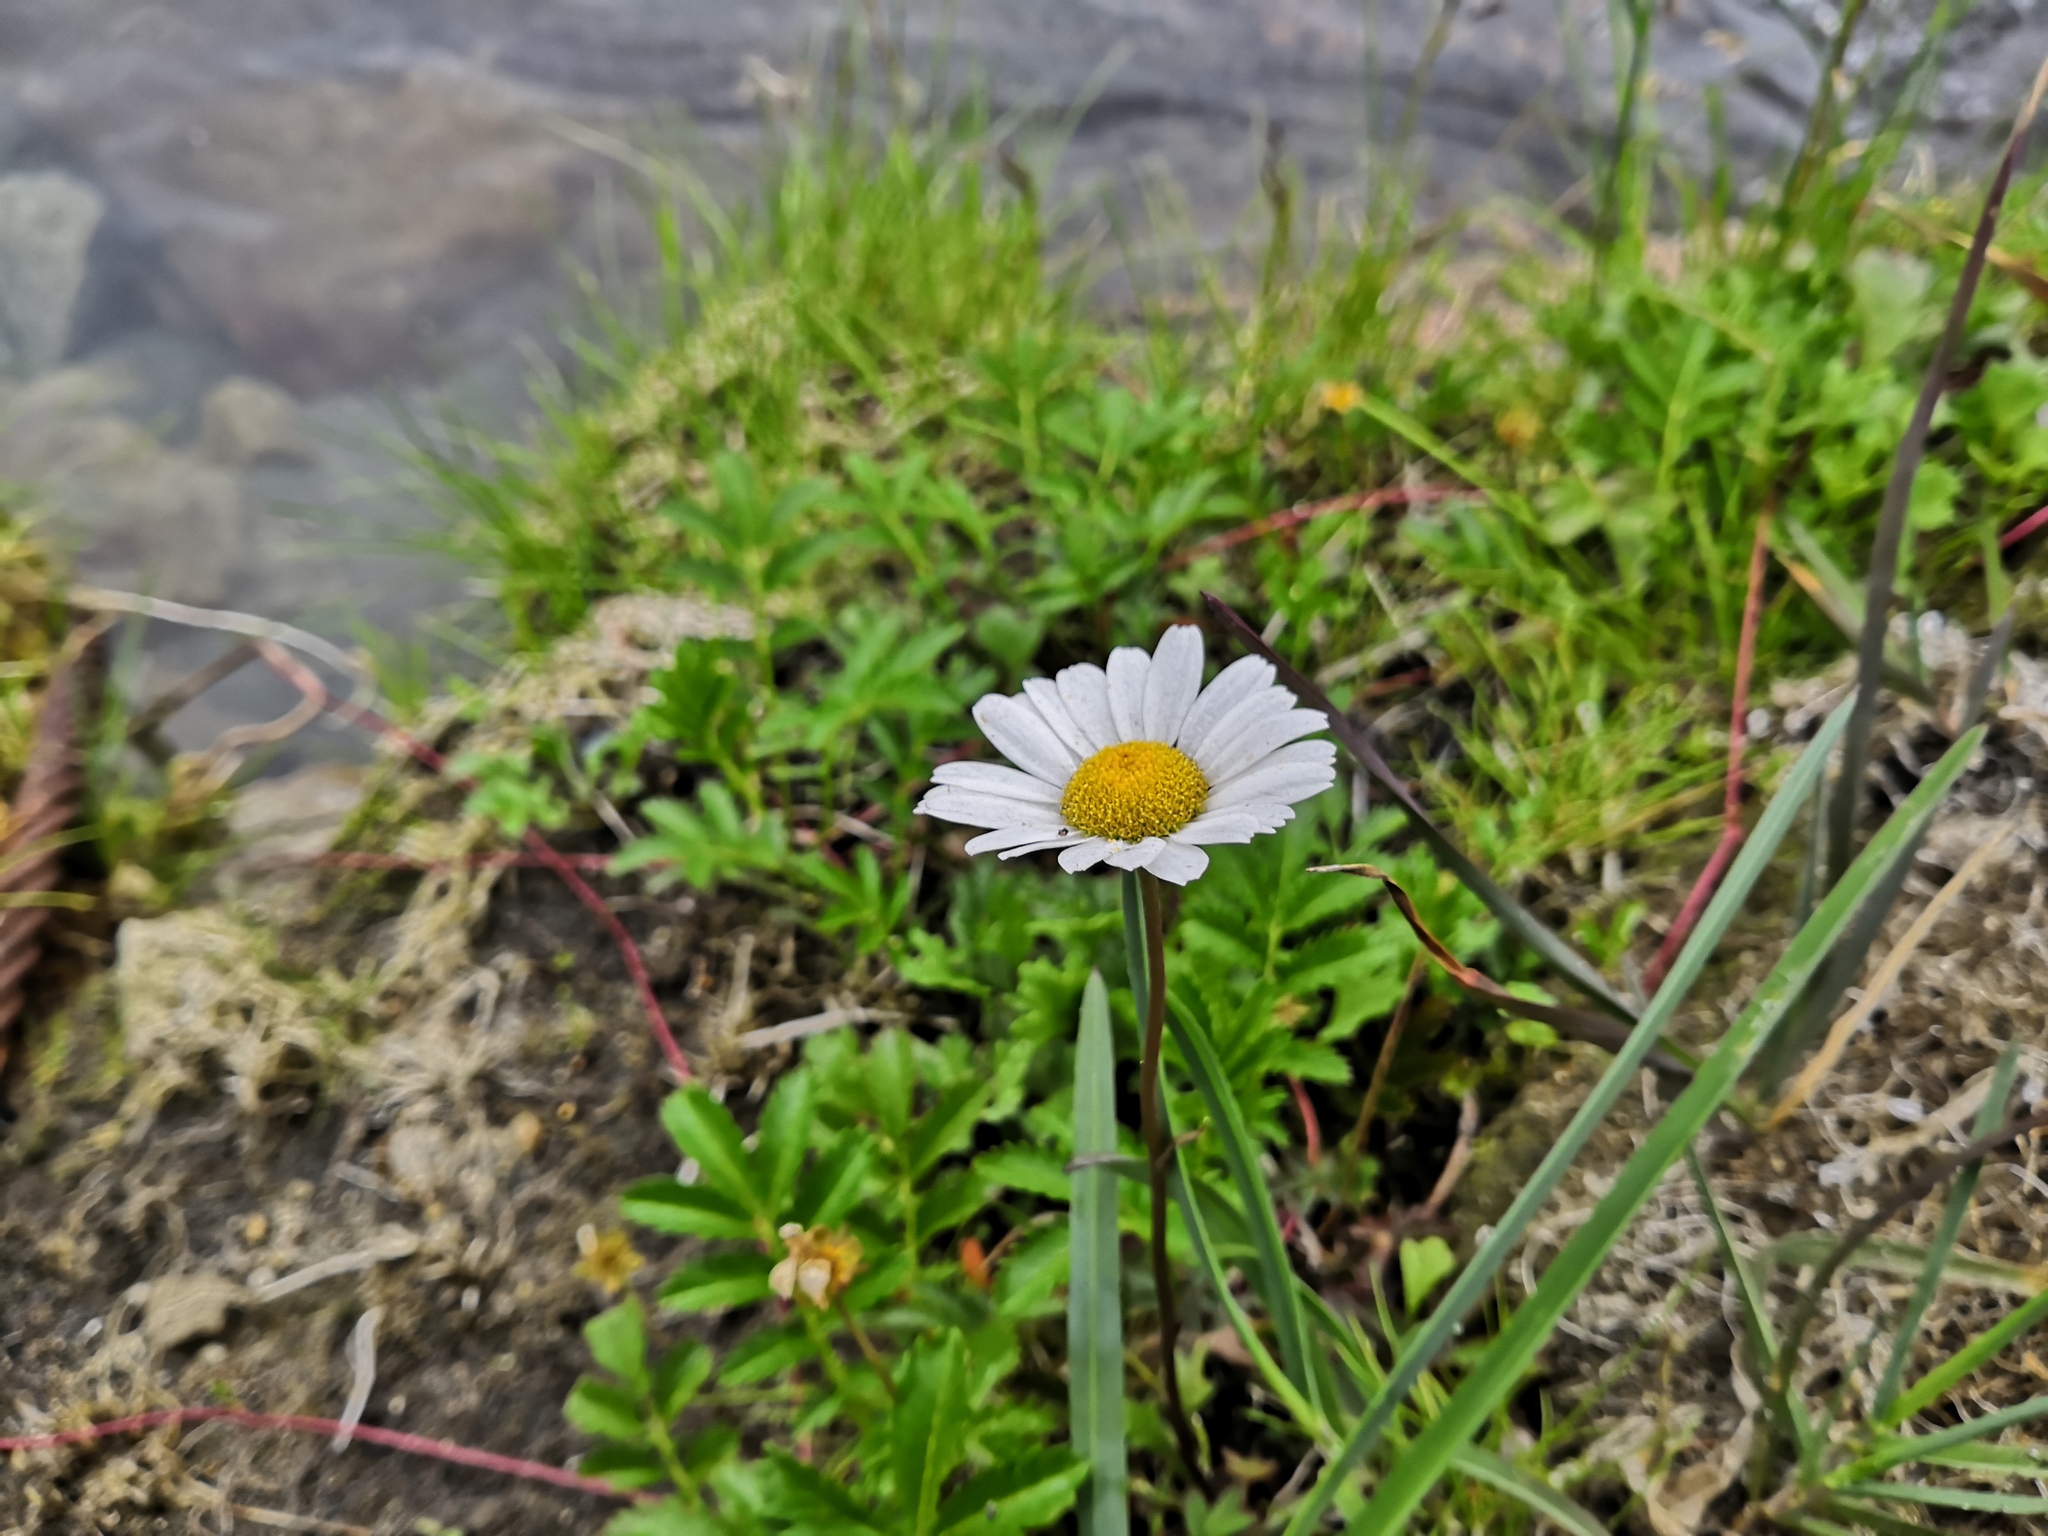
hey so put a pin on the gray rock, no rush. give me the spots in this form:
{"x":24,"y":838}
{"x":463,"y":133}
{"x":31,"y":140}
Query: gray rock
{"x":182,"y":1308}
{"x":246,"y":421}
{"x":47,"y":221}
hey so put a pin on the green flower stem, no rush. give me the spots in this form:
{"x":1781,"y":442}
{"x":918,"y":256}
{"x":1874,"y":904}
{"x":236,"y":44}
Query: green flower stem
{"x":1149,"y":912}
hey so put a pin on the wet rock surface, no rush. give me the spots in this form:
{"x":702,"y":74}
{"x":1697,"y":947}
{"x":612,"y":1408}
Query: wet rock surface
{"x":380,"y":199}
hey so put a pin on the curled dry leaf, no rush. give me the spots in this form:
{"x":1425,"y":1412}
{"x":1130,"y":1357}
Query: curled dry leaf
{"x":44,"y":804}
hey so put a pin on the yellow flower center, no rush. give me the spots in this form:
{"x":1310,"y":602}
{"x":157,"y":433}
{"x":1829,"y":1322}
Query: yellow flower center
{"x":1134,"y":790}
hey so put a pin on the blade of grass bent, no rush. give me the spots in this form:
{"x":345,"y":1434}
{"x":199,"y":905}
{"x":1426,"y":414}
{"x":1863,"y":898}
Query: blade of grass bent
{"x":1891,"y":520}
{"x":1095,"y":1324}
{"x":1960,"y":1366}
{"x":1511,"y":914}
{"x":1902,"y":1448}
{"x":1525,"y":1488}
{"x":1241,"y":1154}
{"x":1990,"y":1115}
{"x":1509,"y":1357}
{"x":1470,"y":1286}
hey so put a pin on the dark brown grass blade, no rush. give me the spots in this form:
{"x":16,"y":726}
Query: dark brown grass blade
{"x":1579,"y":1023}
{"x":1891,"y":521}
{"x":30,"y":846}
{"x":1510,"y":914}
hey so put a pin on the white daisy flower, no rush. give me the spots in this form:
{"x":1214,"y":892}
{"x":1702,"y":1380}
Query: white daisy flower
{"x":1139,"y":765}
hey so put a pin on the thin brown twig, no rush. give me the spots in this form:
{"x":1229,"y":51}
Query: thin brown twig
{"x":1891,"y":520}
{"x":301,"y":1424}
{"x":1309,"y":511}
{"x":636,"y":967}
{"x":1311,"y":1127}
{"x":1454,"y":1165}
{"x":1738,"y":742}
{"x":147,"y":721}
{"x":1402,"y":1011}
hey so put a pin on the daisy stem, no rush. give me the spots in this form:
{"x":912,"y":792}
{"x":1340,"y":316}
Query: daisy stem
{"x":1145,"y":942}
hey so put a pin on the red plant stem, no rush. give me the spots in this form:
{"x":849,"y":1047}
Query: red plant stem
{"x":1738,"y":740}
{"x":300,"y":677}
{"x":1294,"y":517}
{"x":2019,"y":530}
{"x":1311,"y":1128}
{"x":390,"y":1439}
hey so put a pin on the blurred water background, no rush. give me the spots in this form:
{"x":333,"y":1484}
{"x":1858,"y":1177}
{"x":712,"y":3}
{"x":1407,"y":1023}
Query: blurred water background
{"x":241,"y":240}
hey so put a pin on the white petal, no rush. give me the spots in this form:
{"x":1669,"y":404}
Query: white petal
{"x":1177,"y":863}
{"x":1038,"y":847}
{"x":1219,"y":827}
{"x":1128,"y":667}
{"x":782,"y":1279}
{"x":1021,"y":734}
{"x":1018,"y":837}
{"x":1266,"y":704}
{"x":972,"y":810}
{"x":1292,"y":773}
{"x":1044,"y":694}
{"x":1175,"y":679}
{"x":1234,"y":756}
{"x":1085,"y":692}
{"x":1234,"y":684}
{"x":1136,"y":855}
{"x":1085,"y":855}
{"x":998,"y":779}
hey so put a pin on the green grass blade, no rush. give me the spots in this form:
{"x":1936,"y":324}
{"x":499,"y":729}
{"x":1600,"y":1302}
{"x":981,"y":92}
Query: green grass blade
{"x":1903,"y":1448}
{"x":1470,"y":1287}
{"x":1275,"y":1280}
{"x":1960,"y":1366}
{"x":1867,"y":1518}
{"x":1997,"y":1460}
{"x":1526,"y":1489}
{"x":1508,"y":1358}
{"x":1095,"y":1319}
{"x":1990,"y":1115}
{"x":1306,"y":1415}
{"x":1756,"y":1315}
{"x":1980,"y":1500}
{"x":1513,"y":917}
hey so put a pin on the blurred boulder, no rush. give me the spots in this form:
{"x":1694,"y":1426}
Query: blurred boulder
{"x":47,"y":221}
{"x":246,"y":421}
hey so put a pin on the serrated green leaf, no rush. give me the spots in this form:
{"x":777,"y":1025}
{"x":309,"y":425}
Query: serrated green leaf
{"x":720,"y":1281}
{"x":831,"y":1186}
{"x":928,"y":1427}
{"x":678,"y":1376}
{"x":623,"y":1466}
{"x":689,"y":1210}
{"x":1022,"y":1496}
{"x":618,"y":1342}
{"x":946,"y":1125}
{"x":1033,"y":1169}
{"x":608,"y":1412}
{"x":785,"y":1134}
{"x":702,"y":1128}
{"x":766,"y":1353}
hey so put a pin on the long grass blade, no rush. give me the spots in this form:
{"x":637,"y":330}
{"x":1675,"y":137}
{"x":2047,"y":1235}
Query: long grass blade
{"x":1471,"y":1285}
{"x":1904,"y":1448}
{"x":1276,"y":1281}
{"x":1526,"y":1489}
{"x":1508,"y":1358}
{"x":1515,"y":918}
{"x":1990,"y":1115}
{"x":1891,"y":519}
{"x":1980,"y":1500}
{"x":1095,"y":1318}
{"x":1964,"y":1363}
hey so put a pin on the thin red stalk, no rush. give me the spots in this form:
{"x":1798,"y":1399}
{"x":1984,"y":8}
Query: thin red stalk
{"x":390,"y":1439}
{"x":1308,"y":512}
{"x":1311,"y":1128}
{"x":283,"y":663}
{"x":1738,"y":740}
{"x":2026,"y":525}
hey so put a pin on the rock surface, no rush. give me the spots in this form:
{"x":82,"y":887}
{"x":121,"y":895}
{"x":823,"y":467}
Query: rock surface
{"x":244,"y":421}
{"x":47,"y":221}
{"x":346,"y":200}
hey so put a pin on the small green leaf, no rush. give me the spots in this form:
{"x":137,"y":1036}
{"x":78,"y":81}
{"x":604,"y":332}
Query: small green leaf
{"x":767,"y":1353}
{"x":1025,"y":1495}
{"x":1033,"y":1169}
{"x":723,"y":1280}
{"x":689,"y":1210}
{"x":928,"y":1427}
{"x":676,"y":1379}
{"x":606,"y":1412}
{"x":705,"y":1131}
{"x":1424,"y":1263}
{"x":787,"y":1121}
{"x":1533,"y":1033}
{"x":947,"y":1124}
{"x":618,"y":1342}
{"x":831,"y":1186}
{"x":623,"y":1466}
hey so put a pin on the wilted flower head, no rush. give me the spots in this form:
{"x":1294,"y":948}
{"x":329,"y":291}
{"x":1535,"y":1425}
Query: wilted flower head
{"x":608,"y":1259}
{"x":821,"y":1264}
{"x":1138,"y":765}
